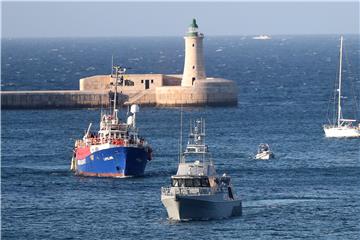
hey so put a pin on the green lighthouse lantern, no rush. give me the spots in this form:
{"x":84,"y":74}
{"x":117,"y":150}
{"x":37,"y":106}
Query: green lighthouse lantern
{"x":193,"y":28}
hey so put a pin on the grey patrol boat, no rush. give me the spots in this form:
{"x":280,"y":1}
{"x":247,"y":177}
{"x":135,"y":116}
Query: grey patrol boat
{"x":196,"y":191}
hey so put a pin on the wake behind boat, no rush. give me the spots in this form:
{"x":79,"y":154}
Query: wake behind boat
{"x":196,"y":191}
{"x":341,"y":127}
{"x":116,"y":150}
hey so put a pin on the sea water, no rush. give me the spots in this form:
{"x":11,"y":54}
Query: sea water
{"x":309,"y":191}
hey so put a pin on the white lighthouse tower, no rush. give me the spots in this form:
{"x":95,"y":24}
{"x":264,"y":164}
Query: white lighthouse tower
{"x":194,"y":58}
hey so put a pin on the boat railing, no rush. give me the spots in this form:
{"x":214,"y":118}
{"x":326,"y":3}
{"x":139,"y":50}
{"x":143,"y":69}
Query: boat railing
{"x":172,"y":191}
{"x":117,"y":141}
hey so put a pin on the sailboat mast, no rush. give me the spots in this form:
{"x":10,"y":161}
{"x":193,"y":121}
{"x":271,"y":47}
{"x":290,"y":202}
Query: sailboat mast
{"x":339,"y":89}
{"x":181,"y":126}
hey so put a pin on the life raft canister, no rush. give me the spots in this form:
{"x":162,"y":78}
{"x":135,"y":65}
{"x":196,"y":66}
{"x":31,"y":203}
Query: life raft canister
{"x":118,"y":142}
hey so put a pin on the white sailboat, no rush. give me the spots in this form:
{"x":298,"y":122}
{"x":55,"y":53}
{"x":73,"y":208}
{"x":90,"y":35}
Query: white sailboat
{"x":342,"y":127}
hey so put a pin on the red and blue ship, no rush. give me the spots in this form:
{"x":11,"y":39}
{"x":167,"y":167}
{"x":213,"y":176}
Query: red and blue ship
{"x":116,"y":150}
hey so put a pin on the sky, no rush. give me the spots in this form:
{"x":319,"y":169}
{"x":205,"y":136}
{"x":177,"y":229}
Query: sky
{"x":115,"y":19}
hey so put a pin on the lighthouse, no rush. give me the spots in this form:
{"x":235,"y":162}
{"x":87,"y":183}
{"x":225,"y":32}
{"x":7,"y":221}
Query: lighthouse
{"x":192,"y":88}
{"x":194,"y":68}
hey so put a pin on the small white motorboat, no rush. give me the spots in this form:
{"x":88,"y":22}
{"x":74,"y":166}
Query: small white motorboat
{"x":264,"y":152}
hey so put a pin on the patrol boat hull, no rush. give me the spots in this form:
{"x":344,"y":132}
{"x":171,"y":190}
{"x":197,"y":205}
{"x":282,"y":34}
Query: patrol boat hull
{"x":111,"y":162}
{"x":182,"y":208}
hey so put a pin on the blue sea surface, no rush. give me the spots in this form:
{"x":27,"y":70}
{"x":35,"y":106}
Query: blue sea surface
{"x":311,"y":190}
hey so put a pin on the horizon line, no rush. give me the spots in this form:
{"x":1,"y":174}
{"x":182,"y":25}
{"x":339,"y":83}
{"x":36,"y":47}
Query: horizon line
{"x":173,"y":36}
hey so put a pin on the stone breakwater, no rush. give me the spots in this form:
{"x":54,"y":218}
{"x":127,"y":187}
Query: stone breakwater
{"x":211,"y":92}
{"x":55,"y":99}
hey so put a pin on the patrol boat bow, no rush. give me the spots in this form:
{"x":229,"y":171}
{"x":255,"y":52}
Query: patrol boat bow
{"x":197,"y":192}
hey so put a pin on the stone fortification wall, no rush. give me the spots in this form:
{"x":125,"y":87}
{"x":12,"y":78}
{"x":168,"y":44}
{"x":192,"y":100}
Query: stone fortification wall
{"x":95,"y":83}
{"x":210,"y":91}
{"x":142,"y":98}
{"x":132,"y":82}
{"x":172,"y":80}
{"x":55,"y":99}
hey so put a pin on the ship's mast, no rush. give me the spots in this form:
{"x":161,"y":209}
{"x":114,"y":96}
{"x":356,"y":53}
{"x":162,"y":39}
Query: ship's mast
{"x":339,"y":89}
{"x":117,"y":68}
{"x":112,"y":65}
{"x":119,"y":71}
{"x":180,"y":144}
{"x":203,"y":134}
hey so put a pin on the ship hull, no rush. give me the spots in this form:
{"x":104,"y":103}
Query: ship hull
{"x":182,"y":208}
{"x":341,"y":132}
{"x":112,"y":162}
{"x":264,"y":156}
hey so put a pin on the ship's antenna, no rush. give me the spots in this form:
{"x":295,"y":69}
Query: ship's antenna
{"x":112,"y":64}
{"x":180,"y":144}
{"x":203,"y":138}
{"x":111,"y":76}
{"x":117,"y":68}
{"x":203,"y":130}
{"x":190,"y":130}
